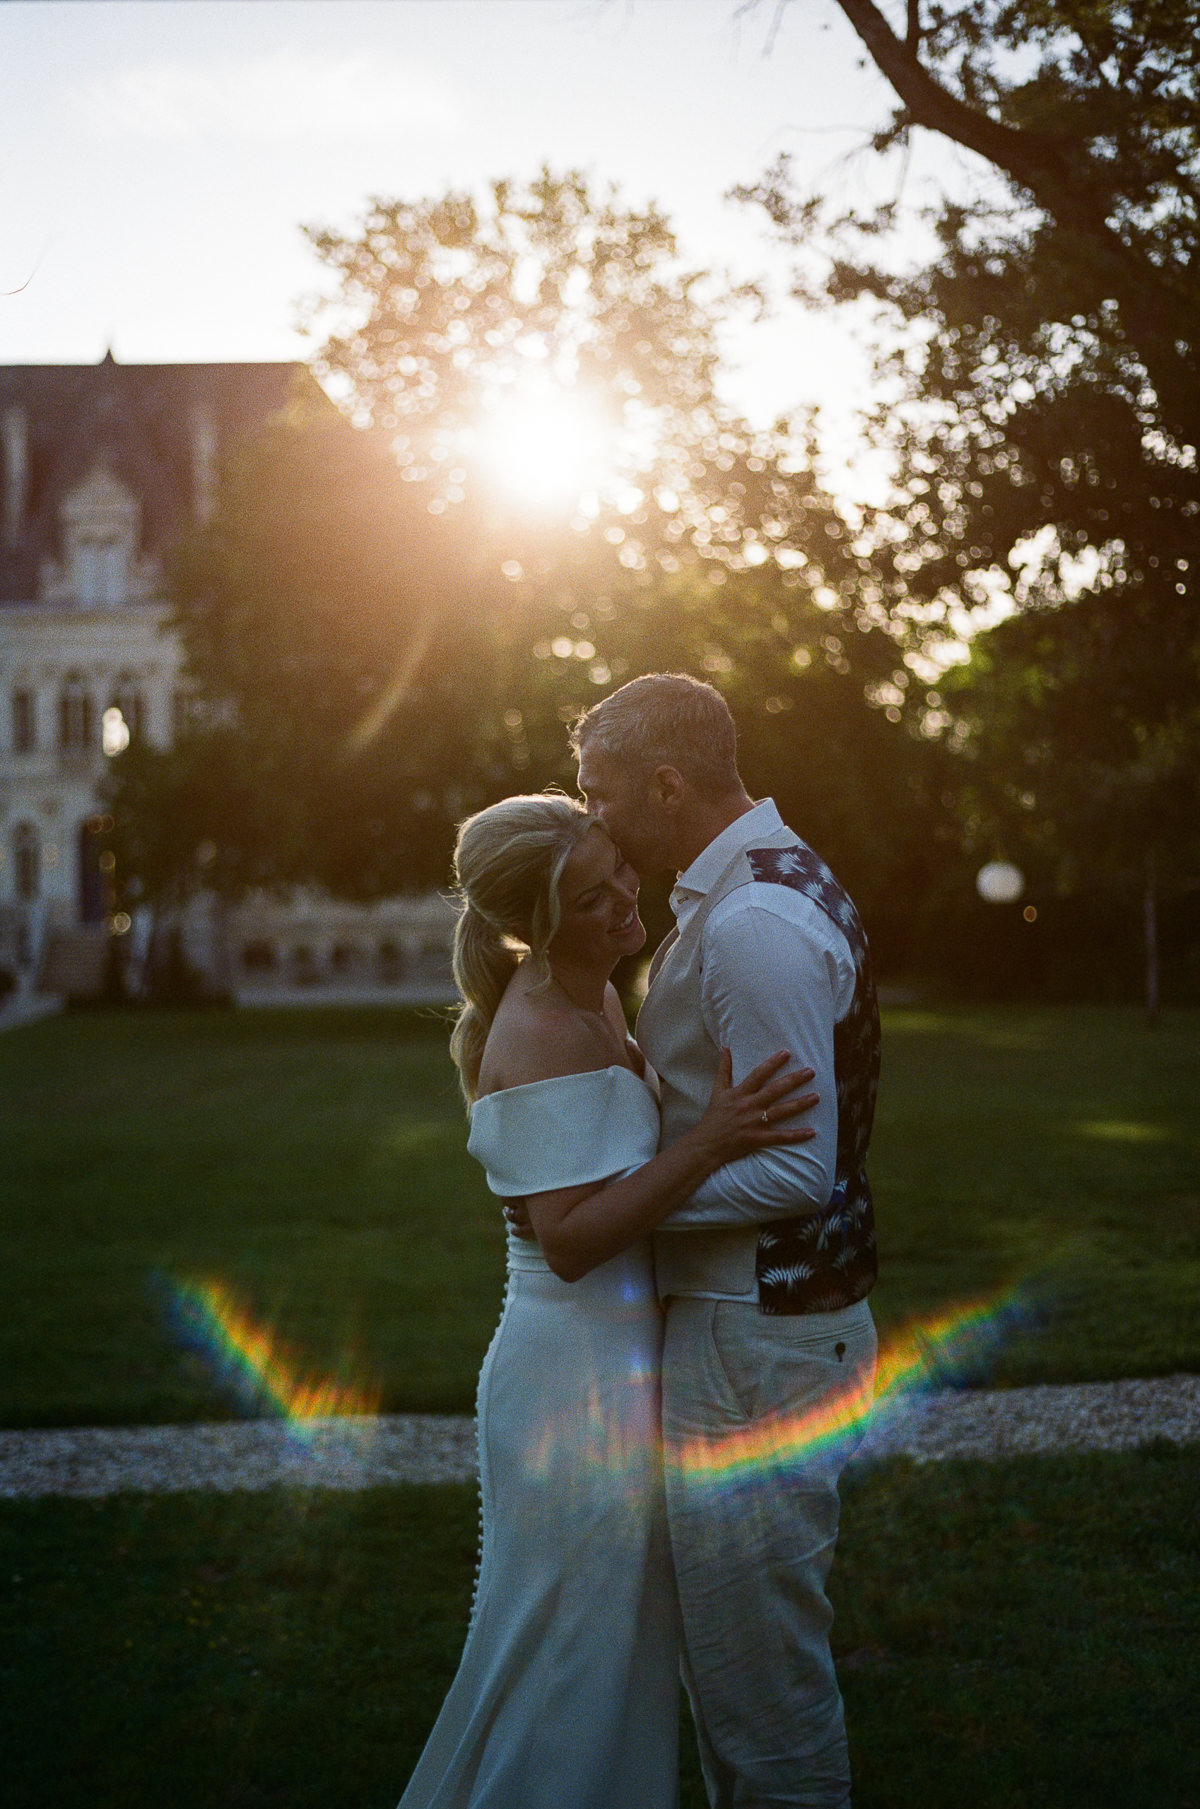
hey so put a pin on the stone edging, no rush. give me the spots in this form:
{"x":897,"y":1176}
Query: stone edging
{"x":402,"y":1448}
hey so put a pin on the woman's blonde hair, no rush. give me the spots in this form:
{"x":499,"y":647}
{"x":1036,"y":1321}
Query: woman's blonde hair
{"x":508,"y":861}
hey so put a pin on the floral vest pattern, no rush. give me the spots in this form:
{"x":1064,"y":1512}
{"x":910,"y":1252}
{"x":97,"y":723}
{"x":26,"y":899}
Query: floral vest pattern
{"x":822,"y":1261}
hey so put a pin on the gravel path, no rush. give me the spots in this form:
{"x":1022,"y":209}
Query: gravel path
{"x":353,"y":1454}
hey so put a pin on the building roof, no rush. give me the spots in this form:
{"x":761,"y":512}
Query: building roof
{"x":136,"y":419}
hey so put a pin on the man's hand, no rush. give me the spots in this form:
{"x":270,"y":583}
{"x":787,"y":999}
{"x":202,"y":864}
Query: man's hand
{"x":517,"y":1218}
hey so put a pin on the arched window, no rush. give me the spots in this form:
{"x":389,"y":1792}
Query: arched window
{"x":128,"y":699}
{"x":258,"y":957}
{"x":304,"y":965}
{"x":392,"y":962}
{"x":27,"y":860}
{"x":75,"y":727}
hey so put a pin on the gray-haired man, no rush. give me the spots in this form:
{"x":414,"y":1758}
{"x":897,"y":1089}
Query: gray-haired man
{"x":770,"y":1345}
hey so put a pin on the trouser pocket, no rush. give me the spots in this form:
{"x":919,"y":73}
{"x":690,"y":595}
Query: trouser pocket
{"x":775,"y":1364}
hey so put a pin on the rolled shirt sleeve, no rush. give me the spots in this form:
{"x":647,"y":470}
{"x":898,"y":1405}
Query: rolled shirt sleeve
{"x":777,"y":974}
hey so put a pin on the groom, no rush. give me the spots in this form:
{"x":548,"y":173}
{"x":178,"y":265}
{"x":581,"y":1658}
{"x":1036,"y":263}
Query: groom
{"x":764,"y":1272}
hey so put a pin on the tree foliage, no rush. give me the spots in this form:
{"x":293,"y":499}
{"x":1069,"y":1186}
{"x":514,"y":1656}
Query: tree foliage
{"x":385,"y":636}
{"x":702,"y":543}
{"x":308,"y":607}
{"x":1089,"y":109}
{"x":451,"y":313}
{"x":1042,"y":370}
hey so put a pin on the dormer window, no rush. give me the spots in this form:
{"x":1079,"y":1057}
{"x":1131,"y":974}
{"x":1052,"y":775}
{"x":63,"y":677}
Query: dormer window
{"x":101,"y":570}
{"x":100,"y":520}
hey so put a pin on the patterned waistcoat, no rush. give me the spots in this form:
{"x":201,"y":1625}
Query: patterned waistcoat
{"x":820,"y":1260}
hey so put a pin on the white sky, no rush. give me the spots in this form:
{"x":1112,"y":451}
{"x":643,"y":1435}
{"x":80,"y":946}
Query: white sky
{"x":157,"y":156}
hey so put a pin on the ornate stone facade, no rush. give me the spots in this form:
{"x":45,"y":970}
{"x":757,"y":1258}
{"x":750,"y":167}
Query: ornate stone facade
{"x":101,"y":467}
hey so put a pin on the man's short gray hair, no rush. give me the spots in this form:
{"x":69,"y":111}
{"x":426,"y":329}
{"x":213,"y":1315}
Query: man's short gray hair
{"x":666,"y":719}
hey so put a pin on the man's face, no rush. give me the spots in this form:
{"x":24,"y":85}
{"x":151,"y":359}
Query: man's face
{"x":624,"y":801}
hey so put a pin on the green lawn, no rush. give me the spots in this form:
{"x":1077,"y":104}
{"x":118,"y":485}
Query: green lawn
{"x":1024,"y":1636}
{"x":314,"y":1163}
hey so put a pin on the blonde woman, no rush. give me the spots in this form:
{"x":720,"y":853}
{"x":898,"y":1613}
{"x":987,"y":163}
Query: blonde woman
{"x":567,"y":1692}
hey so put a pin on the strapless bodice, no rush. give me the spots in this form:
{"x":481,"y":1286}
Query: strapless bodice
{"x":564,"y":1132}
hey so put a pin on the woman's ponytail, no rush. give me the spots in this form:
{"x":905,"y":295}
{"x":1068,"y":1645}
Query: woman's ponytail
{"x":484,"y":963}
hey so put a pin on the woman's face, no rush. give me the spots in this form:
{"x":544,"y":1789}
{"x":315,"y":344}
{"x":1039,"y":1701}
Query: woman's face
{"x":597,"y":895}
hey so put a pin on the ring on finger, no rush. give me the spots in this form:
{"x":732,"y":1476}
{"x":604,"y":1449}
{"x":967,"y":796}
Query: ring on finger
{"x":766,"y":1117}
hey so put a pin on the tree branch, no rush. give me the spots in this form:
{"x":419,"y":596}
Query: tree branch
{"x":1033,"y":160}
{"x":1076,"y":191}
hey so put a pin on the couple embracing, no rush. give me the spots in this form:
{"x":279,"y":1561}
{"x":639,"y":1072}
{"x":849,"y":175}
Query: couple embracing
{"x":690,"y":1247}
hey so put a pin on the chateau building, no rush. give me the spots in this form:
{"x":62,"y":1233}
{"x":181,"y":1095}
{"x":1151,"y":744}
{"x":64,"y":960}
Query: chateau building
{"x":101,"y":468}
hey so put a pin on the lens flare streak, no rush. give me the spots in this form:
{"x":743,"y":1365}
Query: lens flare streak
{"x":250,"y":1359}
{"x":394,"y":695}
{"x":615,"y":1442}
{"x":943,"y":1350}
{"x":603,"y":1439}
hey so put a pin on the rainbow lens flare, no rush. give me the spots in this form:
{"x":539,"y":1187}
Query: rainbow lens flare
{"x":944,"y":1350}
{"x":617,"y":1439}
{"x":250,"y":1360}
{"x":952,"y":1347}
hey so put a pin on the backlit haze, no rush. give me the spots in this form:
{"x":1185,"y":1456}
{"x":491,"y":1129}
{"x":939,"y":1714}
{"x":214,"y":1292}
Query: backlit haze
{"x":159,"y":158}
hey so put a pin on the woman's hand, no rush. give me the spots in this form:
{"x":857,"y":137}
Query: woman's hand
{"x":579,"y":1227}
{"x":758,"y":1111}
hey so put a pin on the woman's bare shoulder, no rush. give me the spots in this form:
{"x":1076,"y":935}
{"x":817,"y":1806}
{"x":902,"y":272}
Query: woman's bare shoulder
{"x":531,"y":1041}
{"x":614,"y":1011}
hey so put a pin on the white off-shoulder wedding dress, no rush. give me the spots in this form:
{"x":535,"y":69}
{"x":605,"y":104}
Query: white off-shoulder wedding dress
{"x":567,"y":1696}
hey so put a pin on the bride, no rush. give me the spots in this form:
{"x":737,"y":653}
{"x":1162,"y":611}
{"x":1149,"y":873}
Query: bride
{"x":568,"y":1689}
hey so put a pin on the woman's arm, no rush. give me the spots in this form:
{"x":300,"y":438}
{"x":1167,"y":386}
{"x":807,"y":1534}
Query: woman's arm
{"x":580,"y":1227}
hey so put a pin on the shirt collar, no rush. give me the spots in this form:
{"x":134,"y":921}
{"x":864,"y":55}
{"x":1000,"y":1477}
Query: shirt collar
{"x":743,"y":832}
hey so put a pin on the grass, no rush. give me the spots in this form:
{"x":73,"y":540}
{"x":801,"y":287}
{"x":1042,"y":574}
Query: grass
{"x":1022,"y":1635}
{"x":314,"y":1162}
{"x":1057,"y":1149}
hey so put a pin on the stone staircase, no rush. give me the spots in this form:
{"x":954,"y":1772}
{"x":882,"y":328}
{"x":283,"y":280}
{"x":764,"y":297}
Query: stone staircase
{"x":74,"y":961}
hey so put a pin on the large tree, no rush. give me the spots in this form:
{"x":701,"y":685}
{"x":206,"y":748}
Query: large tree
{"x":388,"y":633}
{"x":1089,"y":109}
{"x":1042,"y":369}
{"x":697,"y":542}
{"x":543,"y":357}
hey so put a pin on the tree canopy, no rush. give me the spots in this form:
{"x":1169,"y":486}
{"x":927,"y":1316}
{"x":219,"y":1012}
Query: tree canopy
{"x":1042,"y":373}
{"x":307,"y":607}
{"x":388,"y":635}
{"x":543,"y":493}
{"x":548,"y":318}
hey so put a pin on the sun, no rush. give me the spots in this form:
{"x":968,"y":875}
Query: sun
{"x":546,"y":445}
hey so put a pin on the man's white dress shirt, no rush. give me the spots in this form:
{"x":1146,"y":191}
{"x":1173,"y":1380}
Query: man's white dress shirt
{"x":776,"y":973}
